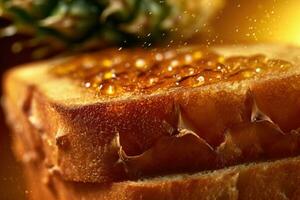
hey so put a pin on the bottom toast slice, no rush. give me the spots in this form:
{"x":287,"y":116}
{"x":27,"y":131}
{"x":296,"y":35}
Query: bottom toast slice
{"x":261,"y":181}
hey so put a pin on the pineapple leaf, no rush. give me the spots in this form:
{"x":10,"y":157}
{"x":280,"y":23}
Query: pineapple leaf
{"x":76,"y":22}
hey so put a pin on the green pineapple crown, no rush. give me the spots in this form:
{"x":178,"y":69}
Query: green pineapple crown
{"x":81,"y":22}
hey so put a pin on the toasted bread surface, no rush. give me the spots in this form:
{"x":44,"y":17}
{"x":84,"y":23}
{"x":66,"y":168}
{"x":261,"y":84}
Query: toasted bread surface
{"x":93,"y":137}
{"x":278,"y":180}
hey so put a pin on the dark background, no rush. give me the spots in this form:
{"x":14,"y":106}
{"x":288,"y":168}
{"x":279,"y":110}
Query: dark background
{"x":11,"y":181}
{"x":241,"y":21}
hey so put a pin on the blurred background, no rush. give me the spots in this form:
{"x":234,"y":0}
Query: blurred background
{"x":240,"y":21}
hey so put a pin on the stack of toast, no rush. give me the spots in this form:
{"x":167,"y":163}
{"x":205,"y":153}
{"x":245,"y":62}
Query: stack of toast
{"x":182,"y":123}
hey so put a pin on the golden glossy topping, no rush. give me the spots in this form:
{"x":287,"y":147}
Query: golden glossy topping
{"x":113,"y":72}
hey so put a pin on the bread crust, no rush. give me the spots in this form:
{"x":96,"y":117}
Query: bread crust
{"x":278,"y":180}
{"x":77,"y":132}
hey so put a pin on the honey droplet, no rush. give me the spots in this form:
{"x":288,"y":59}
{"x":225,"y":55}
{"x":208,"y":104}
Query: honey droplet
{"x":258,"y":70}
{"x":87,"y":84}
{"x":170,"y":68}
{"x":174,"y":63}
{"x":197,"y":55}
{"x":159,"y":57}
{"x":109,"y":75}
{"x":221,"y":59}
{"x":108,"y":89}
{"x":188,"y":59}
{"x":107,"y":63}
{"x":199,"y":81}
{"x":140,"y":63}
{"x":153,"y":80}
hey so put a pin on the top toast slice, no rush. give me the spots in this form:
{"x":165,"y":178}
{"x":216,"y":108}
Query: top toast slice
{"x":115,"y":115}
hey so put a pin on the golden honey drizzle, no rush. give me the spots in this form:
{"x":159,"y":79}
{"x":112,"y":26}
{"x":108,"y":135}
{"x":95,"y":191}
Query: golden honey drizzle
{"x":113,"y":72}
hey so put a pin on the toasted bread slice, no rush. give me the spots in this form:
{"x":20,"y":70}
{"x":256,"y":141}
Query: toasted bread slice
{"x":117,"y":115}
{"x":277,"y":180}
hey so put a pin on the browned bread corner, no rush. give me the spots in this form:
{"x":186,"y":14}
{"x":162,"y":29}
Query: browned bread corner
{"x":212,"y":116}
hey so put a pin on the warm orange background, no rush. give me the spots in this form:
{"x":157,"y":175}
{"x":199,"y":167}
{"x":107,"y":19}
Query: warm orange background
{"x":258,"y":21}
{"x":240,"y":21}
